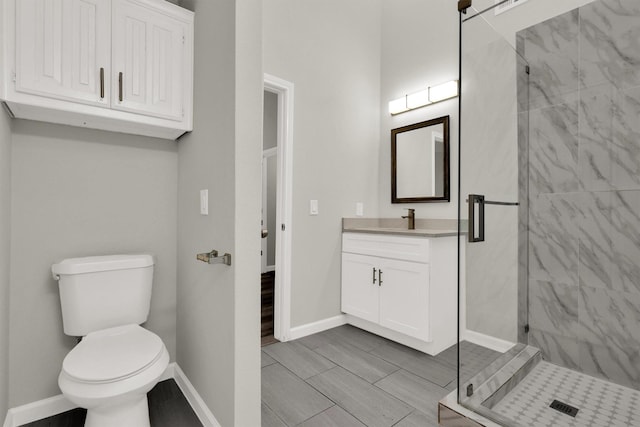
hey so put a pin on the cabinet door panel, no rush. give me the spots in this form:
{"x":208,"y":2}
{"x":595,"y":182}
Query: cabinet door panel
{"x":404,"y":297}
{"x":148,"y":51}
{"x":359,"y":293}
{"x":61,"y":45}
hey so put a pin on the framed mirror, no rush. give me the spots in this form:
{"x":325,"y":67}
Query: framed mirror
{"x":420,"y":162}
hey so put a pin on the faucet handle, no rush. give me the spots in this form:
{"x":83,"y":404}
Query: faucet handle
{"x":412,"y":212}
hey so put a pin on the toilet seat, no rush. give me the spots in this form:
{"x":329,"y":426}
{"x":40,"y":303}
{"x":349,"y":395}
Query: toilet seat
{"x":113,"y":354}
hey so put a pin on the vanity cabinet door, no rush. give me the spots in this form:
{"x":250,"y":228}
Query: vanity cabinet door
{"x":63,"y":49}
{"x":149,"y":61}
{"x":404,"y":297}
{"x":360,"y":293}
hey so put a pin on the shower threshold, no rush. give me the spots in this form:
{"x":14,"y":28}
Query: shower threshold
{"x":521,"y":392}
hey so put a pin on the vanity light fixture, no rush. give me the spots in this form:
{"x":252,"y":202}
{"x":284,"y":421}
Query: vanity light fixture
{"x":428,"y":96}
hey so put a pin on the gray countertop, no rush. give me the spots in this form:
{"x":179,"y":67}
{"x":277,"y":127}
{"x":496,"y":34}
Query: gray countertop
{"x":398,"y":226}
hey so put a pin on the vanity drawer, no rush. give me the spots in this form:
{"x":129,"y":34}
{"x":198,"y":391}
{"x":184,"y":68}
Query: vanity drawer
{"x":414,"y":249}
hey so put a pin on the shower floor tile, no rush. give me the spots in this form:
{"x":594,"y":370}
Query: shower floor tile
{"x":600,"y":403}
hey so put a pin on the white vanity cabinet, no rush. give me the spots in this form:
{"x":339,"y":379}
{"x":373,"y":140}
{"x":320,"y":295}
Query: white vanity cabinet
{"x":119,"y":65}
{"x":401,"y":287}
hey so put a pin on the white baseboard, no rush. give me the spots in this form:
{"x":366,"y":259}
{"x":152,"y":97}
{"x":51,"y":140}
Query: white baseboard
{"x":487,"y":341}
{"x":51,"y":406}
{"x":205,"y":416}
{"x":35,"y":411}
{"x":315,"y":327}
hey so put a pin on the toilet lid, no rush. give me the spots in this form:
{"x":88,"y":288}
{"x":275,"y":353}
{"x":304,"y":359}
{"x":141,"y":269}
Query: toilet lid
{"x":113,"y":354}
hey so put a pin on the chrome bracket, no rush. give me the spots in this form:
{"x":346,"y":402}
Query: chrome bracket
{"x":213,"y":258}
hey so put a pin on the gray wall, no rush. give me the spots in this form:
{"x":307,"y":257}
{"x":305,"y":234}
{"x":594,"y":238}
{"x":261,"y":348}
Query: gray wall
{"x":219,"y":306}
{"x":584,"y":189}
{"x":330,"y":51}
{"x":419,"y":48}
{"x":5,"y":252}
{"x":270,"y":120}
{"x":79,"y":192}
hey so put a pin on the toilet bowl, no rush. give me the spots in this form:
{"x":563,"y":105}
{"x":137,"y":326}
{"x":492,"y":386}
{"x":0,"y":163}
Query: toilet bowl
{"x":110,"y":373}
{"x":105,"y":299}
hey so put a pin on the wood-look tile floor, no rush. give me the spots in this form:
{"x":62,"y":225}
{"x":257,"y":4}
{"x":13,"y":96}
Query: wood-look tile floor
{"x":347,"y":377}
{"x":167,"y":408}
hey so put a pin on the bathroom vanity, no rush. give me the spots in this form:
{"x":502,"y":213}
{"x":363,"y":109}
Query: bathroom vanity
{"x":401,"y":284}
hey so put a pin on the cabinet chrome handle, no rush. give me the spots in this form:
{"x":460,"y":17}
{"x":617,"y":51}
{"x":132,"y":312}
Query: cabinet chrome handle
{"x":374,"y":276}
{"x":101,"y":83}
{"x":379,"y":277}
{"x":120,"y":86}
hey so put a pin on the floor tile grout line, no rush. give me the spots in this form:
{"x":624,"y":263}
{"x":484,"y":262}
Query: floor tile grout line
{"x":273,"y":412}
{"x":418,"y":375}
{"x":298,"y":376}
{"x":408,"y":415}
{"x":315,"y":415}
{"x":377,"y":357}
{"x":373,"y":385}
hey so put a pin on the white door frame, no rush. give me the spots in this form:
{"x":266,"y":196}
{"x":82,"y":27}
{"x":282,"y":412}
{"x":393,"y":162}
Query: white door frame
{"x":282,"y":295}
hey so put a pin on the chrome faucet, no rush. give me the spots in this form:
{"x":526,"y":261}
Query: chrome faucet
{"x":411,"y":216}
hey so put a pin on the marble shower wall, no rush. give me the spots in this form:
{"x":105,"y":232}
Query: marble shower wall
{"x":584,"y":188}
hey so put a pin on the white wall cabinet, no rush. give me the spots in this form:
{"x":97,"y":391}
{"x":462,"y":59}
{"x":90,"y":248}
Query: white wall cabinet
{"x":403,"y":288}
{"x":63,"y":49}
{"x":148,"y":58}
{"x":120,"y":65}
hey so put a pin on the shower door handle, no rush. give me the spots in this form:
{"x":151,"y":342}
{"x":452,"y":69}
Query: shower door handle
{"x":473,"y":200}
{"x":480,"y":201}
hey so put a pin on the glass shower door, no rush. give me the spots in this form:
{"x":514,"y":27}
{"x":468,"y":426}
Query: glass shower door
{"x":492,"y":210}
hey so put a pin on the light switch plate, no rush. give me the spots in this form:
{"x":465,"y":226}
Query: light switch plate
{"x":204,"y":202}
{"x":313,"y":207}
{"x":359,"y":209}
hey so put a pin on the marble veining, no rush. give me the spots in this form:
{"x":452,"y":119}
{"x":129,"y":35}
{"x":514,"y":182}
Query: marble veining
{"x":553,"y":152}
{"x":610,"y":43}
{"x":556,"y":307}
{"x":581,"y":149}
{"x":625,"y":241}
{"x":595,"y":256}
{"x":625,"y":147}
{"x":553,"y":238}
{"x":595,"y":133}
{"x":551,"y":48}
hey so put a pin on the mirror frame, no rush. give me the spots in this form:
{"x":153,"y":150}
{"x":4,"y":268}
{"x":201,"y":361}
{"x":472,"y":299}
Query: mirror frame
{"x":444,"y":120}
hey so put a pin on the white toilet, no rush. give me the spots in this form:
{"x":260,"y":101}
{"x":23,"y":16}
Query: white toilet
{"x":105,"y":299}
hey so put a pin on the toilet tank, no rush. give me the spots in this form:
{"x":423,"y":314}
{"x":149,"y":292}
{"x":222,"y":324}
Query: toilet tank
{"x":104,"y":291}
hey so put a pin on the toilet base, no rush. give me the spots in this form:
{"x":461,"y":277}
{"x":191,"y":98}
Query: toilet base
{"x":127,"y":414}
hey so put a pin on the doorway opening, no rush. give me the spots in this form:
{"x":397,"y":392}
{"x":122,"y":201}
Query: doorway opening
{"x":276,"y":210}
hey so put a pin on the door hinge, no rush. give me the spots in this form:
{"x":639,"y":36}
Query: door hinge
{"x":183,"y":39}
{"x":13,"y":76}
{"x":527,"y":69}
{"x":282,"y":227}
{"x":470,"y":390}
{"x":526,"y":329}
